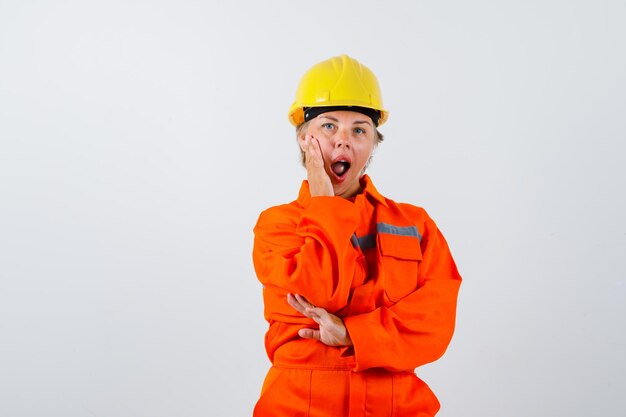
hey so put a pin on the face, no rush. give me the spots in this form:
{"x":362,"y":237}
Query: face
{"x":347,"y":140}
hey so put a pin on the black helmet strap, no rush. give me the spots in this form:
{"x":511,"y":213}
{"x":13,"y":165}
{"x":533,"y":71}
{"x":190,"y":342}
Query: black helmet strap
{"x":313,"y":112}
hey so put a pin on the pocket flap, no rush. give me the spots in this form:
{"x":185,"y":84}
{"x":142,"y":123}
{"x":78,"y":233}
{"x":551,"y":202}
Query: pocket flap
{"x":401,"y":247}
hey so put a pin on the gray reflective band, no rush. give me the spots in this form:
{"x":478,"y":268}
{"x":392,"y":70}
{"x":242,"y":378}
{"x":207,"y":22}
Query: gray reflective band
{"x":363,"y":242}
{"x":369,"y":241}
{"x":398,"y":230}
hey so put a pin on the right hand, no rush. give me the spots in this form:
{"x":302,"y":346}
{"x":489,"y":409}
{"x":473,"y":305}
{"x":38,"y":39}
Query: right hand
{"x":319,"y":181}
{"x":332,"y":331}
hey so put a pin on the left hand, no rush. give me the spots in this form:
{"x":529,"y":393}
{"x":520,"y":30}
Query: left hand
{"x":332,"y":331}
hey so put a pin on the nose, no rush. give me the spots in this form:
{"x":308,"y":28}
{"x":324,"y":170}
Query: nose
{"x":342,"y":139}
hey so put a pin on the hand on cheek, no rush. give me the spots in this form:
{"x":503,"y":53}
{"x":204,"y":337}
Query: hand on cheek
{"x":319,"y":182}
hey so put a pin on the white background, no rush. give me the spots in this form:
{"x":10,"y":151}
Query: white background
{"x":139,"y":140}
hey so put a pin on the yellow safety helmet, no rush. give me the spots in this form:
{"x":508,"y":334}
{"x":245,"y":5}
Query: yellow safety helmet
{"x":338,"y":82}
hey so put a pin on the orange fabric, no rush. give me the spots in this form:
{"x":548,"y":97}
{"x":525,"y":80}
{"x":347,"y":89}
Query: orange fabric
{"x":386,"y":270}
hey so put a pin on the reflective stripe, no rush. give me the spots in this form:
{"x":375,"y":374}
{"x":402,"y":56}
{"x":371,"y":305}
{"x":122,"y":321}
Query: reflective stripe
{"x":363,"y":242}
{"x":369,"y":241}
{"x":398,"y":230}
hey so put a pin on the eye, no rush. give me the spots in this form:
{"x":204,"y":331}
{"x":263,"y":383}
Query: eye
{"x":328,"y":126}
{"x":359,"y":131}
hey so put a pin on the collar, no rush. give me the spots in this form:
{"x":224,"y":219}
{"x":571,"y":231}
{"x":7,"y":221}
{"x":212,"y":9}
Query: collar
{"x":367,"y":186}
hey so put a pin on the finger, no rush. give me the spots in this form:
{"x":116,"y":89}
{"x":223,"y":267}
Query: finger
{"x":313,"y":151}
{"x":305,"y":308}
{"x":316,"y":314}
{"x":303,"y":301}
{"x":317,"y":150}
{"x":312,"y":311}
{"x":316,"y":145}
{"x":306,"y":144}
{"x":293,"y":302}
{"x":309,"y":334}
{"x":322,"y":317}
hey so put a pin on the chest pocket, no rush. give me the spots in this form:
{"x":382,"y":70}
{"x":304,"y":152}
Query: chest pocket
{"x":400,"y":257}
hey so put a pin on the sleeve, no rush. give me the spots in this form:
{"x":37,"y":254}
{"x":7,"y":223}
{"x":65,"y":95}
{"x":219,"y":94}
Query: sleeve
{"x":308,"y":252}
{"x":418,"y":328}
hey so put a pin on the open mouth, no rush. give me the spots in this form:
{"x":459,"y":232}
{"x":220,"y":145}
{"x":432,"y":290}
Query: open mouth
{"x":340,"y":168}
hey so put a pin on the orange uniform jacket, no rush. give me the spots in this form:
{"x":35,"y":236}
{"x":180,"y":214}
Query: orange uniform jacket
{"x":386,"y":270}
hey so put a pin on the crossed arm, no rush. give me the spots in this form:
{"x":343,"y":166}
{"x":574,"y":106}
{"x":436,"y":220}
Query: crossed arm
{"x":291,"y":254}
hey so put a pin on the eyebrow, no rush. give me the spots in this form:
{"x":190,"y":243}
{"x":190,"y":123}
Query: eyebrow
{"x":367,"y":122}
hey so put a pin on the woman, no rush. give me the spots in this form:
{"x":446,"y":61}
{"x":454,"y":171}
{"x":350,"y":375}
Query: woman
{"x":359,"y":290}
